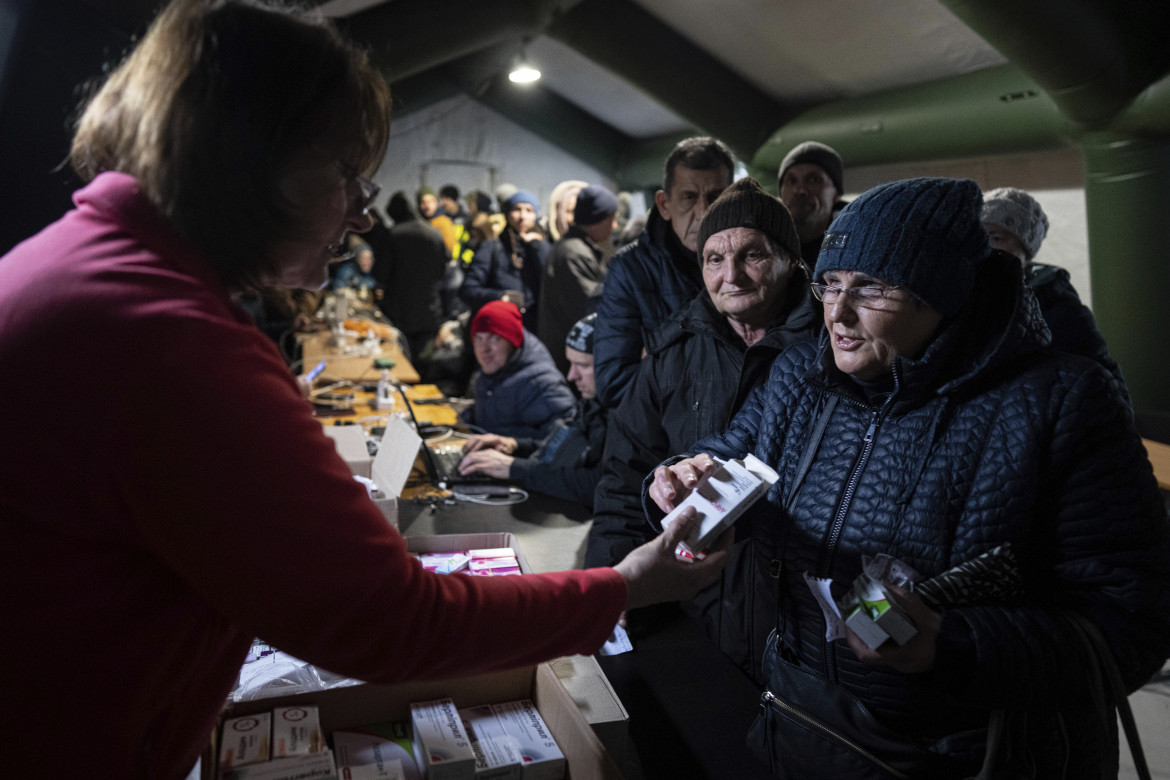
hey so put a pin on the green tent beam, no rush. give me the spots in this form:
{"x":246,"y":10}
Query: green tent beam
{"x":1092,"y":57}
{"x":1127,"y":181}
{"x":992,"y":111}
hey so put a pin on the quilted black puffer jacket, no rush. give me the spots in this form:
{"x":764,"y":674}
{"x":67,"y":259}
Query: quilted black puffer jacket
{"x":990,"y":437}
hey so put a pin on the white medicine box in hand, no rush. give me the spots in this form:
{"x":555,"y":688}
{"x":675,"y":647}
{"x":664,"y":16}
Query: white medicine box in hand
{"x":721,"y":497}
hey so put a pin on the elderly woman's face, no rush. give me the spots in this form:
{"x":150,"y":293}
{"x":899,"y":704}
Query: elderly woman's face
{"x":744,"y":277}
{"x":866,"y":339}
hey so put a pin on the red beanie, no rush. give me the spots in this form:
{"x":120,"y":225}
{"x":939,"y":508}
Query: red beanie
{"x":501,"y":318}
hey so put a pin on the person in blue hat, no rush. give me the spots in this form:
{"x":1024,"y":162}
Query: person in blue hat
{"x":511,"y":266}
{"x":934,"y":423}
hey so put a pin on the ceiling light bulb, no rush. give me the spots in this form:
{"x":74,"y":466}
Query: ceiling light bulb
{"x":524,"y":73}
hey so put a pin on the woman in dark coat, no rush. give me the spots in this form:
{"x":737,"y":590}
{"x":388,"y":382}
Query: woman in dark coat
{"x":935,"y":424}
{"x":510,"y":267}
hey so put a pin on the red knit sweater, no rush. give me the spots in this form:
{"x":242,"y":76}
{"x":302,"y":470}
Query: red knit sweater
{"x":165,"y":495}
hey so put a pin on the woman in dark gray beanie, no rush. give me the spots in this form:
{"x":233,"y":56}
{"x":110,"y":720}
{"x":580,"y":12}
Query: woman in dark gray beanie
{"x":934,"y":424}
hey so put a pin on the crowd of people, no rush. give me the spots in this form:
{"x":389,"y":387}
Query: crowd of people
{"x":922,"y":386}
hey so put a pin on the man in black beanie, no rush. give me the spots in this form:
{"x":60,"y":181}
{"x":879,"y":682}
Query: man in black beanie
{"x":575,"y":268}
{"x":699,"y":369}
{"x":810,"y":183}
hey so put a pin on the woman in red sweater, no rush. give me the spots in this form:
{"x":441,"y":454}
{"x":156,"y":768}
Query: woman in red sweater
{"x":181,"y":499}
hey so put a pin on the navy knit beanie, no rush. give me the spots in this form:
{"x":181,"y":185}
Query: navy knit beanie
{"x":924,"y":235}
{"x":518,"y":197}
{"x":594,"y":204}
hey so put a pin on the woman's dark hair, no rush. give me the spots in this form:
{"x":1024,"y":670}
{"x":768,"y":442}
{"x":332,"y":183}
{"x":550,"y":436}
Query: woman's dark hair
{"x":211,"y":110}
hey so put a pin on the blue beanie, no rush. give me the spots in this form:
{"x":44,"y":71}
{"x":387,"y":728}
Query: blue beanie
{"x":520,"y":196}
{"x":924,"y":235}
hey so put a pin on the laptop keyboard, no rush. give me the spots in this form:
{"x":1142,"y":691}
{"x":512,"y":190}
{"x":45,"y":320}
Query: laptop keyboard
{"x":447,"y":460}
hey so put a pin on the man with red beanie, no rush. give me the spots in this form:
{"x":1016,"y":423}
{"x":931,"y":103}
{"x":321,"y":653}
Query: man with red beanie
{"x":518,"y":390}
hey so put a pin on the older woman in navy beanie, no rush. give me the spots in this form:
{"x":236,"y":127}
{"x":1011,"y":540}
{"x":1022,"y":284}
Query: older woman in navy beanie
{"x":933,"y":423}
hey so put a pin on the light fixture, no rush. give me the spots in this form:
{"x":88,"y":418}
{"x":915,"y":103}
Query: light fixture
{"x":523,"y":71}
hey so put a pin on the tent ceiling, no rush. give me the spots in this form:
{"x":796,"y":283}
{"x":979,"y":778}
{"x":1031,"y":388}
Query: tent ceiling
{"x":621,"y":77}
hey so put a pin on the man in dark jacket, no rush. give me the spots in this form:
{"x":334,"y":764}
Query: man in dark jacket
{"x":810,"y":182}
{"x":567,"y":462}
{"x":1017,"y":225}
{"x":518,"y":390}
{"x":702,"y":365}
{"x":416,"y":265}
{"x":934,"y":424}
{"x":575,"y":267}
{"x":654,"y":277}
{"x":510,"y":267}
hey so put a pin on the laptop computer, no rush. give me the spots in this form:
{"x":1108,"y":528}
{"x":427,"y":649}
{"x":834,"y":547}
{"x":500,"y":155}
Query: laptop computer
{"x":445,"y":461}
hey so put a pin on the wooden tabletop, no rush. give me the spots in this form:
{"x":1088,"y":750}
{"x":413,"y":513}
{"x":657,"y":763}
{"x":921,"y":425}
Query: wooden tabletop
{"x":429,"y":405}
{"x":316,"y":347}
{"x":1160,"y":459}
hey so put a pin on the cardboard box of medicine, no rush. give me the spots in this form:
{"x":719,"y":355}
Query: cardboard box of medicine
{"x":449,"y":543}
{"x":310,"y":766}
{"x":540,"y":757}
{"x":354,"y":707}
{"x":381,"y":751}
{"x":493,"y":567}
{"x":295,"y":731}
{"x":873,"y":617}
{"x":496,"y":758}
{"x":722,"y":497}
{"x":245,"y":740}
{"x":441,"y":744}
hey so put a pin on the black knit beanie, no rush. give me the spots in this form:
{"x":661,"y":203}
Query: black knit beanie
{"x":818,"y":154}
{"x":746,"y":204}
{"x":925,"y":235}
{"x":580,"y":335}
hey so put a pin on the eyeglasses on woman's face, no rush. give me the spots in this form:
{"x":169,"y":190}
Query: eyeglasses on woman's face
{"x":868,"y":295}
{"x":367,"y":190}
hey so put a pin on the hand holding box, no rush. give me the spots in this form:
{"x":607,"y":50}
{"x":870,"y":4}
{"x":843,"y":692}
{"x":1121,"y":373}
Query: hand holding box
{"x":721,"y":497}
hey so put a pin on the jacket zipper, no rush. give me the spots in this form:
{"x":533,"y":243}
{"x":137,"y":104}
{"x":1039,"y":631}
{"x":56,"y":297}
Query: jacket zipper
{"x":768,"y":699}
{"x":839,"y":523}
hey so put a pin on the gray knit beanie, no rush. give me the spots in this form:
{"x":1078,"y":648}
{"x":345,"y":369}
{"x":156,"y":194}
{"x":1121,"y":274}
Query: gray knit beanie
{"x":1018,"y":213}
{"x":924,"y":235}
{"x":746,"y":204}
{"x":817,"y":154}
